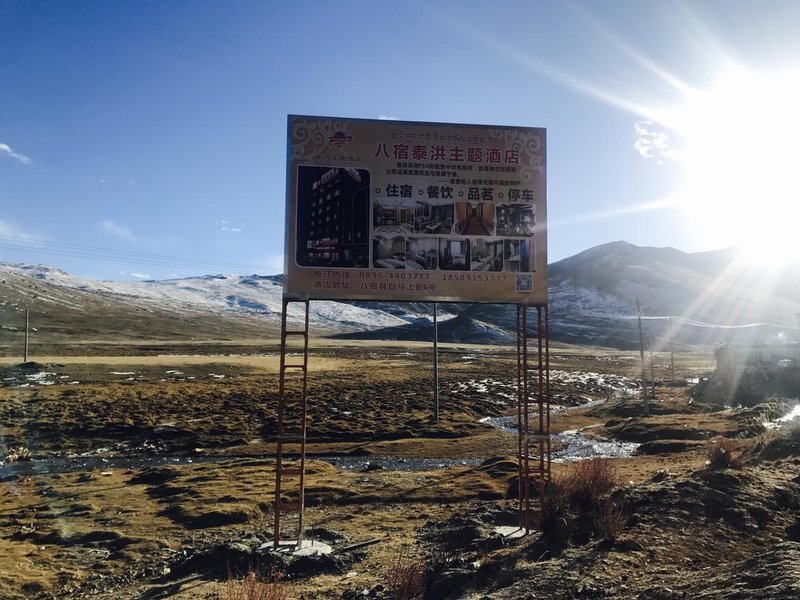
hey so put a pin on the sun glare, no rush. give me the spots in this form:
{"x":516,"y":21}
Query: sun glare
{"x":741,"y":158}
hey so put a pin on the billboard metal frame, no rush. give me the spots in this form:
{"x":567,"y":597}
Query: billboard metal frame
{"x":360,"y":194}
{"x":534,"y":455}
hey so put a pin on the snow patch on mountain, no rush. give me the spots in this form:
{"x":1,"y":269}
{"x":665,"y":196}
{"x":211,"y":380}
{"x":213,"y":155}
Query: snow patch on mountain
{"x":247,"y":297}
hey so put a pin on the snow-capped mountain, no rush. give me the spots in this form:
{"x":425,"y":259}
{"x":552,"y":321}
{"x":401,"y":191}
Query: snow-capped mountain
{"x":695,"y":298}
{"x":221,"y":306}
{"x":688,"y":298}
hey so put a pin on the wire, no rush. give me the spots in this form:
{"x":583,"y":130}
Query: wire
{"x":690,"y":322}
{"x":111,"y":255}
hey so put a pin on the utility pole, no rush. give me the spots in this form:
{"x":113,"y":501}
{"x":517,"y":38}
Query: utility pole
{"x":672,"y":358}
{"x":27,"y":328}
{"x":435,"y":363}
{"x":641,"y":359}
{"x":671,"y":349}
{"x":652,"y":372}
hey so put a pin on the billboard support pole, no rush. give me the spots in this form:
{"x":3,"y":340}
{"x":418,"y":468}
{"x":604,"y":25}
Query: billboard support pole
{"x":435,"y":363}
{"x":533,"y":443}
{"x":292,"y":419}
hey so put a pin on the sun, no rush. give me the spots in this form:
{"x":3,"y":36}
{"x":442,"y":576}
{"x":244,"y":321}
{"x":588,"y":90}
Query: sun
{"x":741,"y":163}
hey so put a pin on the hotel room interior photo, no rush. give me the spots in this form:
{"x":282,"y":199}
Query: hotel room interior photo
{"x":389,"y":252}
{"x":393,"y":216}
{"x":454,"y":254}
{"x":515,"y":219}
{"x":517,"y":255}
{"x":486,"y":255}
{"x":474,"y":218}
{"x":432,"y":216}
{"x":422,"y":253}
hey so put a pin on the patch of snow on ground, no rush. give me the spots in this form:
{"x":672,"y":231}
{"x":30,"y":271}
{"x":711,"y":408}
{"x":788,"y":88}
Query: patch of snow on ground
{"x":510,"y":532}
{"x":252,"y":297}
{"x":42,"y":378}
{"x":578,"y":446}
{"x":791,"y":416}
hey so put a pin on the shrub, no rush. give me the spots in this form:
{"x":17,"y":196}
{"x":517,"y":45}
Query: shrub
{"x":609,"y":521}
{"x":722,"y":454}
{"x":590,"y":481}
{"x":18,"y":454}
{"x":405,"y":579}
{"x":251,"y":588}
{"x":553,"y":506}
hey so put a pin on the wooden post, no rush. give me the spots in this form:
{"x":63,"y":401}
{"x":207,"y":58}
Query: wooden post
{"x":27,"y":329}
{"x":641,"y":359}
{"x":672,"y":359}
{"x":652,"y":372}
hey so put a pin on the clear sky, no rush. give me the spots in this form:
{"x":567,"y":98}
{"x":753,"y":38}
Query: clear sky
{"x":148,"y":139}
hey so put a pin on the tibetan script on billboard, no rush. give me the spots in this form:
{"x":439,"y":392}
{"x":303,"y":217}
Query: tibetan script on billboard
{"x":395,"y":210}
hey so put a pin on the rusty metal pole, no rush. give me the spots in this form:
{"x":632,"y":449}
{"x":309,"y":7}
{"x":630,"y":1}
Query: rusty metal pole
{"x":547,"y":386}
{"x":435,"y":363}
{"x":526,"y":445}
{"x":520,"y":399}
{"x":540,"y":396}
{"x":303,"y":434}
{"x":280,"y":430}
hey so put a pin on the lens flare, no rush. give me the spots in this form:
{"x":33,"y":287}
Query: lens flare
{"x":741,"y":157}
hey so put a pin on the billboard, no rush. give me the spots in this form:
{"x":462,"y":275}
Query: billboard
{"x":408,"y":211}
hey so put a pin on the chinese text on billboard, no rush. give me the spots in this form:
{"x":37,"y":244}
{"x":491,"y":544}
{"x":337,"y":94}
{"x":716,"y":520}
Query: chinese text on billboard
{"x":393,"y":210}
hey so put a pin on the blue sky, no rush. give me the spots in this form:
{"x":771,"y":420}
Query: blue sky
{"x":148,"y":139}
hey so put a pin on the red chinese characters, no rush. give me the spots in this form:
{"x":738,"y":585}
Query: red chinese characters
{"x":469,"y":154}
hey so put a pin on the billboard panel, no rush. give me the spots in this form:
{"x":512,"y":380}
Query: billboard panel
{"x":397,"y":210}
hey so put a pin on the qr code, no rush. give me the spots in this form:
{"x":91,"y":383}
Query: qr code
{"x":524,"y":283}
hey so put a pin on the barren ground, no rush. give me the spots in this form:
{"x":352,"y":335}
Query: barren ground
{"x":152,"y":477}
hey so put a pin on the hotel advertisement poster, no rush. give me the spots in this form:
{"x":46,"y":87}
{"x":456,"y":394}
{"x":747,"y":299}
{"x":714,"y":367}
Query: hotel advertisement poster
{"x":406,"y":211}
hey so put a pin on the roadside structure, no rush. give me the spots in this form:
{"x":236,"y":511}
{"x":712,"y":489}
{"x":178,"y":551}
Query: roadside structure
{"x":351,"y":235}
{"x":746,"y":373}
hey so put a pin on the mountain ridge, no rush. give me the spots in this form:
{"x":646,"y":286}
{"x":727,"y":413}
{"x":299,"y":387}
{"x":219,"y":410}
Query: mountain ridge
{"x":688,"y":298}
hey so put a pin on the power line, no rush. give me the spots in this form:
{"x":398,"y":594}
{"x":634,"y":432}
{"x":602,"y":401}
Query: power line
{"x":688,"y":322}
{"x":32,"y":245}
{"x":111,"y":255}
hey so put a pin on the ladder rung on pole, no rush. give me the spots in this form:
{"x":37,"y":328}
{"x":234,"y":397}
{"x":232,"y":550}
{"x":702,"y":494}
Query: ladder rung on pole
{"x":288,"y":506}
{"x":291,"y":471}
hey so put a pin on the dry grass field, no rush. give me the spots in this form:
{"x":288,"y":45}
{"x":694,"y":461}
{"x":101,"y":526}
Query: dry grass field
{"x":152,"y":477}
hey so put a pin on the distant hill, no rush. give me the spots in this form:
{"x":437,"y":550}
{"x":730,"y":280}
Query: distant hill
{"x":689,"y":299}
{"x":66,"y":308}
{"x":694,"y":299}
{"x":699,"y":298}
